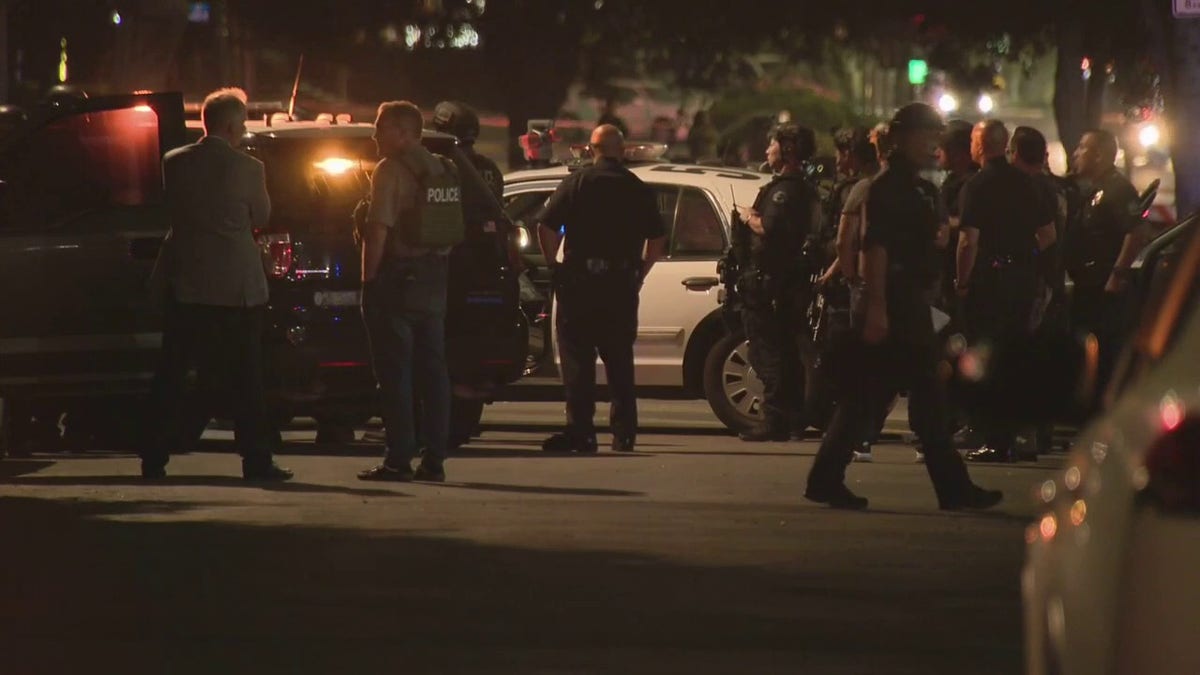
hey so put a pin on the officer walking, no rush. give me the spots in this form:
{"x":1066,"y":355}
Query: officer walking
{"x":772,"y":285}
{"x":1006,"y":220}
{"x":898,"y":348}
{"x":415,"y":214}
{"x":607,"y":217}
{"x":1100,"y":248}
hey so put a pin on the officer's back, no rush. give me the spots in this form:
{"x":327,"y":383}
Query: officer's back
{"x":607,"y":213}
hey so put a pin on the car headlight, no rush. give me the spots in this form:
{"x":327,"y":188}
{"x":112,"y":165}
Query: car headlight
{"x":986,"y":104}
{"x":1149,"y":135}
{"x":947,"y":103}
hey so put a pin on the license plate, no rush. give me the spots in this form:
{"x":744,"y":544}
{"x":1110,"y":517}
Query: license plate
{"x":336,"y":298}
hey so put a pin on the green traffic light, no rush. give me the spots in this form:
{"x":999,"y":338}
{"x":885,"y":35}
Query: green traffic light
{"x":918,"y":70}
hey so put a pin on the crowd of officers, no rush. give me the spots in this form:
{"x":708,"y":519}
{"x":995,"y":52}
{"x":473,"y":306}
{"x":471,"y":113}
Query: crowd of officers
{"x":880,"y":275}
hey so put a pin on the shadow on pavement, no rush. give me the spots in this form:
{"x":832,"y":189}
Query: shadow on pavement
{"x":89,"y":592}
{"x":19,"y":467}
{"x":198,"y":481}
{"x":543,"y":490}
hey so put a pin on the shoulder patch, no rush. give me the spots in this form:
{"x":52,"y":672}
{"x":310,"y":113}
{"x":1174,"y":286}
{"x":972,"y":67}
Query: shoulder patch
{"x":1097,"y":197}
{"x":779,"y":196}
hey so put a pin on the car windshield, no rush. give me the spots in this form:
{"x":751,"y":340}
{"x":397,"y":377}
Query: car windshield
{"x":316,"y":180}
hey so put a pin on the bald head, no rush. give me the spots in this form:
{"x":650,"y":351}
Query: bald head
{"x":989,"y":140}
{"x":608,"y":142}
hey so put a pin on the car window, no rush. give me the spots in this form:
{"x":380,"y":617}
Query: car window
{"x":668,"y":199}
{"x":698,"y":232}
{"x":82,"y":163}
{"x":522,"y":209}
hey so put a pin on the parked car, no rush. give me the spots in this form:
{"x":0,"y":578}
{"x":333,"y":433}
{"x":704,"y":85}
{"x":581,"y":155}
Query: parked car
{"x":683,"y":347}
{"x":1110,"y":578}
{"x":81,"y":222}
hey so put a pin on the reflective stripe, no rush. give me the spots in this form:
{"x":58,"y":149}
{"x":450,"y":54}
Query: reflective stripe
{"x":80,"y":343}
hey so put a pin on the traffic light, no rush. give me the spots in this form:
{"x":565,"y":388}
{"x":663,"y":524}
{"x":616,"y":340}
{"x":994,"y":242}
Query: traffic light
{"x":918,"y":70}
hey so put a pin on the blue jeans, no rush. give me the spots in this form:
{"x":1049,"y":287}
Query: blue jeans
{"x":405,"y":313}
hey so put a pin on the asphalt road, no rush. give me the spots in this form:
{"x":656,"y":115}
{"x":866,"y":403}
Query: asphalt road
{"x":694,"y":555}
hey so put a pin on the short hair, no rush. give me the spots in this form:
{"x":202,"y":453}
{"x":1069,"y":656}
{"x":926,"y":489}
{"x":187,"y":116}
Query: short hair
{"x":403,"y":113}
{"x":1029,"y":146}
{"x":222,"y":108}
{"x":1106,"y":141}
{"x":995,"y":137}
{"x":957,"y":137}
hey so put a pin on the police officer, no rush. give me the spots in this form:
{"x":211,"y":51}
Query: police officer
{"x":461,"y":121}
{"x":772,"y":284}
{"x":1100,"y":247}
{"x":607,"y":217}
{"x":1006,"y":219}
{"x":855,"y":160}
{"x":404,"y":300}
{"x":898,"y":347}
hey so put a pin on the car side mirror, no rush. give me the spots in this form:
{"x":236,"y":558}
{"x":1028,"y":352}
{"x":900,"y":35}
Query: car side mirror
{"x":1031,"y":381}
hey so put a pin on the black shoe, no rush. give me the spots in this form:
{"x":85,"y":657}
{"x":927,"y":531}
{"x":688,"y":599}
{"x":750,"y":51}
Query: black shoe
{"x":153,"y":470}
{"x":765,"y":434}
{"x":567,"y":443}
{"x":430,"y":473}
{"x":837,"y":497}
{"x":384,"y":472}
{"x":990,"y":456}
{"x":973,"y":497}
{"x":271,"y":473}
{"x":622,"y":444}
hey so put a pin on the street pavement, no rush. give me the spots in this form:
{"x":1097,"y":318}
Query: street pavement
{"x":696,"y":554}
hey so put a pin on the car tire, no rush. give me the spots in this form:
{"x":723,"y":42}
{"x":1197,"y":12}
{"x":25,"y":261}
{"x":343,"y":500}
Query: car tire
{"x":465,"y":415}
{"x":732,"y":389}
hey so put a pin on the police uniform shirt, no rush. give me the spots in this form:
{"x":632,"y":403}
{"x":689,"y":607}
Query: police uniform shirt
{"x":1110,"y":212}
{"x":952,"y":189}
{"x":1006,"y":206}
{"x":605,"y":212}
{"x":490,"y":173}
{"x":903,"y":217}
{"x":788,"y":208}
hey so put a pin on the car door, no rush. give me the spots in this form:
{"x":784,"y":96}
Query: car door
{"x":682,"y":289}
{"x":81,"y":221}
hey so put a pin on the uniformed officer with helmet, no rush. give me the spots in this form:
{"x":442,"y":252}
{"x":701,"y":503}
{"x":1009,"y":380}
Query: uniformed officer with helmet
{"x":773,"y":285}
{"x":898,"y":349}
{"x":461,"y":121}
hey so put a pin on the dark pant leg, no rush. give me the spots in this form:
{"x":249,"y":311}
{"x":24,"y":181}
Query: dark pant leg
{"x":390,"y":340}
{"x":243,"y":365}
{"x":432,"y":380}
{"x":577,"y":351}
{"x":864,"y":388}
{"x":927,"y":417}
{"x":766,"y":353}
{"x":616,"y":350}
{"x":169,"y":407}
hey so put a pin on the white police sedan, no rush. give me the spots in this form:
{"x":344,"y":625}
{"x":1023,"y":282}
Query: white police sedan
{"x":1111,"y":583}
{"x":683,"y":347}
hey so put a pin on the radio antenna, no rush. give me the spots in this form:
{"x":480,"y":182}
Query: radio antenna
{"x":295,"y":90}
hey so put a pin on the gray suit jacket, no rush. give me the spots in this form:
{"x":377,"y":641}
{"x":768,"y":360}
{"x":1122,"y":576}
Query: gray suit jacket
{"x":216,"y":198}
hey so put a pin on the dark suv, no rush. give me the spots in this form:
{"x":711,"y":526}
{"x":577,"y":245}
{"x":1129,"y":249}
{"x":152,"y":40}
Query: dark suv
{"x":81,"y":221}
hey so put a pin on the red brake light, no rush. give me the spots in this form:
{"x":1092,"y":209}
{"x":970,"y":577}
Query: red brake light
{"x":1171,"y":476}
{"x":277,"y":252}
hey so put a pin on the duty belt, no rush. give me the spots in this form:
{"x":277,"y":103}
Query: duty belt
{"x":599,"y":265}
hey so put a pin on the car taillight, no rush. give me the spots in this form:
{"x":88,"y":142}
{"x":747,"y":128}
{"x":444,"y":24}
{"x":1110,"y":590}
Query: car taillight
{"x":276,"y":250}
{"x":1170,"y":477}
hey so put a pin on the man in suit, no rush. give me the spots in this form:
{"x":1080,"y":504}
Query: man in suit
{"x":215,"y":288}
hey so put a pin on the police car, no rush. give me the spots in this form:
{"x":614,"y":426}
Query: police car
{"x":683,"y":346}
{"x":1110,"y":578}
{"x":81,"y":222}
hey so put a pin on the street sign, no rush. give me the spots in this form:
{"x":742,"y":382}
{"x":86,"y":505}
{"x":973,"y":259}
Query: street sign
{"x":918,"y":69}
{"x":1187,"y":9}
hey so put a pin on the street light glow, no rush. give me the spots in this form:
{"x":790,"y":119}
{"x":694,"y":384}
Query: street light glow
{"x":947,"y":103}
{"x":986,"y":104}
{"x":1149,"y":136}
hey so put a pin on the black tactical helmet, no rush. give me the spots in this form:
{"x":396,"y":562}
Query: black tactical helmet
{"x":457,"y":119}
{"x":801,"y":140}
{"x":916,"y":116}
{"x":856,"y":141}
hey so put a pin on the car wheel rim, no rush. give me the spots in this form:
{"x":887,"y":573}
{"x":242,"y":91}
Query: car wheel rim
{"x":743,"y":389}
